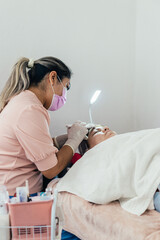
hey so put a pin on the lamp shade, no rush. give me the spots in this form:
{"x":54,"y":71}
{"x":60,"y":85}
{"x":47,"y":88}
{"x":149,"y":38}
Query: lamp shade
{"x":95,"y":96}
{"x":93,"y":99}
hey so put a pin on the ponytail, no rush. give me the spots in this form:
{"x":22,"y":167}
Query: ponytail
{"x":17,"y":82}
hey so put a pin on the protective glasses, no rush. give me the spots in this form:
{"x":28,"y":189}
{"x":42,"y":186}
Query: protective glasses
{"x":68,"y":85}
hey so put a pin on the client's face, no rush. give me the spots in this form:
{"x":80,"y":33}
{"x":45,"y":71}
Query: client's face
{"x":99,"y":134}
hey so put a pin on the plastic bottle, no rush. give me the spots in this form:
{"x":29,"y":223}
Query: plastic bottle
{"x":49,"y":191}
{"x":47,"y":195}
{"x":4,"y":215}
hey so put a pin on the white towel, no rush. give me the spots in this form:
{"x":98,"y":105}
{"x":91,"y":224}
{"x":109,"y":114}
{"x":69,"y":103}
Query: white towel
{"x":125,"y":167}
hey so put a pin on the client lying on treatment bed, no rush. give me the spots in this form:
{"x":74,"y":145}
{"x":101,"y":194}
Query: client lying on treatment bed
{"x":118,"y":167}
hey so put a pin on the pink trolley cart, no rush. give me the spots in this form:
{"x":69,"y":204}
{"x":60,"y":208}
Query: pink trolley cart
{"x":35,"y":220}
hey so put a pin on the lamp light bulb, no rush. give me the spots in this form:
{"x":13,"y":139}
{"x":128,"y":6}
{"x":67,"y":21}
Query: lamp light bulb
{"x":95,"y":96}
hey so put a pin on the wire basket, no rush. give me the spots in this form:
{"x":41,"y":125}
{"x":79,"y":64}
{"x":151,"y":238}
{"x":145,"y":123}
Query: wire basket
{"x":25,"y":232}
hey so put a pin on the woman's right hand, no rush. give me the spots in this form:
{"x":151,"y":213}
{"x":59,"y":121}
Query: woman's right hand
{"x":76,"y":133}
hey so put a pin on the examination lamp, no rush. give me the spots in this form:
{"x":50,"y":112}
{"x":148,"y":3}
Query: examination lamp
{"x":93,"y":99}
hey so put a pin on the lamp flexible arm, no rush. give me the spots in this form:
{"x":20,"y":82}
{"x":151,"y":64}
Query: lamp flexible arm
{"x":90,"y":114}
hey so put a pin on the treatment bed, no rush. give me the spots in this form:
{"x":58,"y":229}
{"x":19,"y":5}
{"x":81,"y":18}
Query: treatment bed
{"x":90,"y":221}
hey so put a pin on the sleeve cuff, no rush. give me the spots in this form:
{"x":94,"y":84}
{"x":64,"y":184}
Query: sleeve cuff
{"x":56,"y":143}
{"x":47,"y":163}
{"x":70,"y":147}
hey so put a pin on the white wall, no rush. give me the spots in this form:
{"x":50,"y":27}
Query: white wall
{"x":147,"y":59}
{"x":97,"y":41}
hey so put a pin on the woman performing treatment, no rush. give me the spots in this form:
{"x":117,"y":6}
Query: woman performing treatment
{"x":27,"y":150}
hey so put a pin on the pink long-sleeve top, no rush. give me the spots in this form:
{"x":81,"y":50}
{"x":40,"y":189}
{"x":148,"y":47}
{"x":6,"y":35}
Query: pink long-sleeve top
{"x":26,"y":147}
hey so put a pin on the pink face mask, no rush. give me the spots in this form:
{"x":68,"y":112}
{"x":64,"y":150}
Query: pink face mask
{"x":58,"y":101}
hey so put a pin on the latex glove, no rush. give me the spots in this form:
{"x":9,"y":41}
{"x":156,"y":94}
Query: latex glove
{"x":88,"y":126}
{"x":60,"y":140}
{"x":78,"y":121}
{"x":76,"y":134}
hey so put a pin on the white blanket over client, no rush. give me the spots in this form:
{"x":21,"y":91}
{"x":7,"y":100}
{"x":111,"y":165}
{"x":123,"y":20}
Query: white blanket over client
{"x":125,"y":167}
